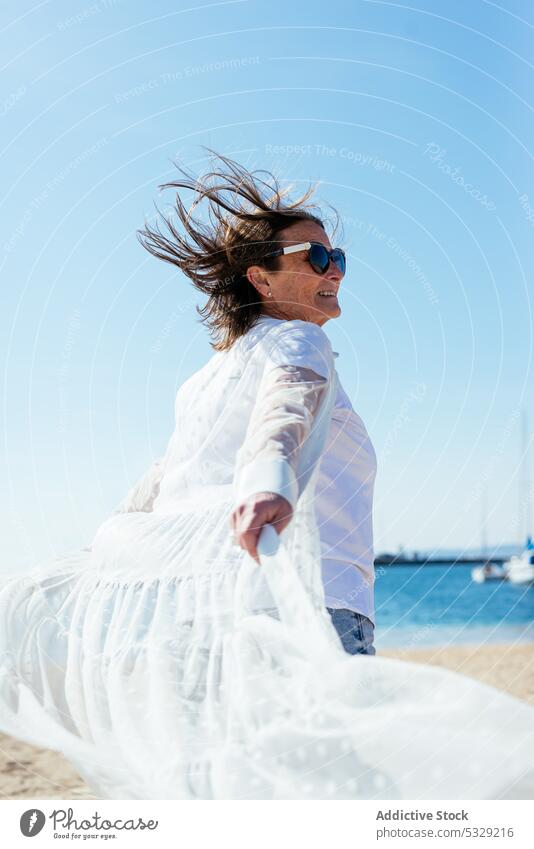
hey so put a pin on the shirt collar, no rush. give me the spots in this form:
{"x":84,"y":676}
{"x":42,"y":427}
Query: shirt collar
{"x":264,"y":317}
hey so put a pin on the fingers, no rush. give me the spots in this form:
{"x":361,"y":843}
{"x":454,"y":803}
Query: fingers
{"x":248,"y":519}
{"x":249,"y":541}
{"x":248,"y":529}
{"x":280,"y":523}
{"x":248,"y":536}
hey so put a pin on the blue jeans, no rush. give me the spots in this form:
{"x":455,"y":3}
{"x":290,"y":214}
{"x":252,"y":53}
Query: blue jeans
{"x":355,"y":630}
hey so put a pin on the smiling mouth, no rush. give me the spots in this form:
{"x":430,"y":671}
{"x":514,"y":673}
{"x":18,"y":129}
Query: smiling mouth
{"x":327,"y":293}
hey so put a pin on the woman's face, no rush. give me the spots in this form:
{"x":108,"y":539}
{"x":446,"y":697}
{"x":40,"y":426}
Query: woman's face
{"x":296,"y":286}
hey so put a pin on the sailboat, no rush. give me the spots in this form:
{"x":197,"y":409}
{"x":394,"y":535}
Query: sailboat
{"x":488,"y":571}
{"x":520,"y":568}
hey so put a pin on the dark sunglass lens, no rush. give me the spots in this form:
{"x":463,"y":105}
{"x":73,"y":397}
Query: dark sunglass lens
{"x":319,"y":258}
{"x":339,"y":258}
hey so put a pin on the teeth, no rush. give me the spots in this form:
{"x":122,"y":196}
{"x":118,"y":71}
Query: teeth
{"x":327,"y":293}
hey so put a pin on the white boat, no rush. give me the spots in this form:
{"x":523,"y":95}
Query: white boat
{"x":520,"y":568}
{"x":488,"y":572}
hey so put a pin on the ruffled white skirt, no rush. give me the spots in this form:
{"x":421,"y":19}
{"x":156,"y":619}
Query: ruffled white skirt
{"x":147,"y":661}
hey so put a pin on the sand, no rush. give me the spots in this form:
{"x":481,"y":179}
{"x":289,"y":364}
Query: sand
{"x":30,"y":773}
{"x":507,"y":667}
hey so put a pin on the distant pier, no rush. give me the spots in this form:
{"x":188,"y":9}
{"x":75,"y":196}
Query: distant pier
{"x":403,"y":560}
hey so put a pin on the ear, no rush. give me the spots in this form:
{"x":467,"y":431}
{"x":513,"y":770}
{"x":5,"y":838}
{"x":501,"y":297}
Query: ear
{"x":256,"y":276}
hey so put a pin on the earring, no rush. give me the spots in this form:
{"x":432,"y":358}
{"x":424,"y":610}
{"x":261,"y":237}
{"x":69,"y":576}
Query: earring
{"x":270,"y":293}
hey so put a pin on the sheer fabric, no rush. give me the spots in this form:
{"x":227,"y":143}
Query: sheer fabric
{"x":148,"y":659}
{"x":143,"y":494}
{"x":281,"y":422}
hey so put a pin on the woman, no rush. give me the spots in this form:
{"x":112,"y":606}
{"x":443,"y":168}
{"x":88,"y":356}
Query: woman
{"x":148,"y":659}
{"x":279,"y":266}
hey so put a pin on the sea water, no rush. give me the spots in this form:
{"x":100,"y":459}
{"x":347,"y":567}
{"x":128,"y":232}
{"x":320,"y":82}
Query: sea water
{"x":419,"y":606}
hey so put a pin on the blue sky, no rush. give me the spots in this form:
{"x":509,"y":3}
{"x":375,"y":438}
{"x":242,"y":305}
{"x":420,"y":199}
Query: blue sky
{"x":417,"y":121}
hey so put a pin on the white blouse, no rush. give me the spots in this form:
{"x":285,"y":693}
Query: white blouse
{"x":347,"y":471}
{"x":257,"y":442}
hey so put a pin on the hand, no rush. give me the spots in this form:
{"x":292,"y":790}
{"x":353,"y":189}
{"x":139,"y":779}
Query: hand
{"x":250,"y":516}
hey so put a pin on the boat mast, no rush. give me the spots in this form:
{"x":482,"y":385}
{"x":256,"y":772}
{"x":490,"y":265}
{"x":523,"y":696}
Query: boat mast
{"x":525,"y":506}
{"x":483,"y":524}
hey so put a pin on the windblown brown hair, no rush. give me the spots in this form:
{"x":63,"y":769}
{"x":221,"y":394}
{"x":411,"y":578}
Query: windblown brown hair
{"x":246,"y":214}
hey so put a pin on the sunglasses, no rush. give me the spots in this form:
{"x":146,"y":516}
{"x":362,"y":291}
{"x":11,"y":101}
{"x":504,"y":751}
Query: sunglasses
{"x":318,"y":256}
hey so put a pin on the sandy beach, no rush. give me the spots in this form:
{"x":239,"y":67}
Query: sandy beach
{"x":31,"y":773}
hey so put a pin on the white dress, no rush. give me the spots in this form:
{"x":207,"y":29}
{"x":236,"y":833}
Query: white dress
{"x":147,"y":660}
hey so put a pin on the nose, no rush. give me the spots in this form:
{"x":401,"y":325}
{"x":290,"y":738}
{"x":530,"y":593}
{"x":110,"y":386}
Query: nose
{"x":333,"y":273}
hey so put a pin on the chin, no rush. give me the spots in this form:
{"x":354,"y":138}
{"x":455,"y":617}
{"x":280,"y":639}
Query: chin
{"x":323,"y":312}
{"x":327,"y":313}
{"x":333,"y":311}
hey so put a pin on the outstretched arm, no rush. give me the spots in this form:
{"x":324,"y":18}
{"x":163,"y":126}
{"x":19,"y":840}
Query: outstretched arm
{"x":268,"y":478}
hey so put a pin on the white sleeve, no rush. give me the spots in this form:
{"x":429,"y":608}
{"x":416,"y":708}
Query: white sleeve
{"x":294,"y":383}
